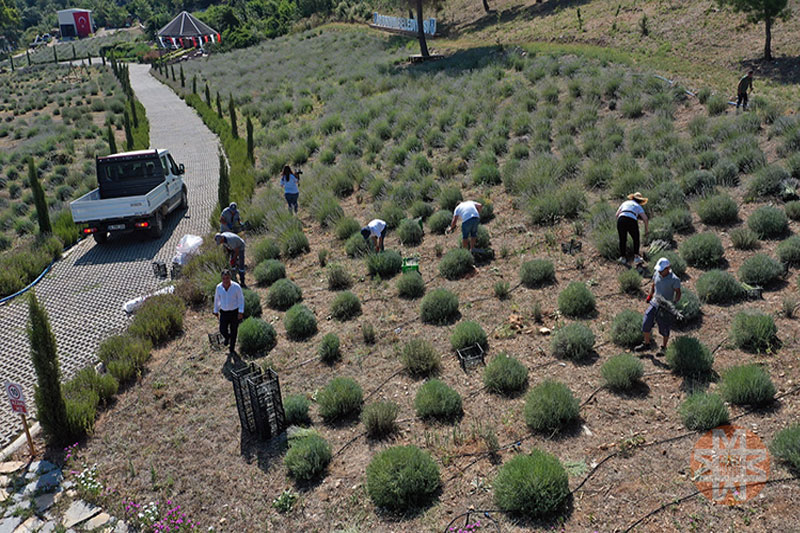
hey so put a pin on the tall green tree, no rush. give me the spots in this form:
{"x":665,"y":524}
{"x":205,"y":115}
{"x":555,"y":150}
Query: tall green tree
{"x":172,"y":70}
{"x":208,"y":96}
{"x":183,"y":78}
{"x":219,"y":106}
{"x":134,"y":116}
{"x":112,"y":141}
{"x":42,"y":214}
{"x":766,"y":11}
{"x":224,"y":188}
{"x":250,"y":144}
{"x":128,"y":131}
{"x":10,"y":20}
{"x":232,"y":113}
{"x":51,"y":409}
{"x":194,"y":84}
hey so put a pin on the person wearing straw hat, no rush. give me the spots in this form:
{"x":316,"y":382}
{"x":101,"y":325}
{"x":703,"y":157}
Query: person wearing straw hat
{"x":665,"y":291}
{"x":628,"y":216}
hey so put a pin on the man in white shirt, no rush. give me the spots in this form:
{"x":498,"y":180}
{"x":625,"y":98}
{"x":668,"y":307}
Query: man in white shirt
{"x":229,"y":308}
{"x":375,"y":231}
{"x":470,"y":214}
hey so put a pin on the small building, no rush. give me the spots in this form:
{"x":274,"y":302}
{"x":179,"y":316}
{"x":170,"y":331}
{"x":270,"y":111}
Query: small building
{"x":75,"y":23}
{"x":187,"y":31}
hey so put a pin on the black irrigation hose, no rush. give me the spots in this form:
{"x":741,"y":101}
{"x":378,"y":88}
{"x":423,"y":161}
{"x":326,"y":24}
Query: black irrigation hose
{"x":384,"y":382}
{"x":483,"y":512}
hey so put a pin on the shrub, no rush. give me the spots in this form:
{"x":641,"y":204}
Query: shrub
{"x":410,"y":285}
{"x":81,"y":411}
{"x":124,"y":356}
{"x":786,"y":446}
{"x":440,"y":221}
{"x":256,"y":337}
{"x":295,"y":407}
{"x":449,"y":198}
{"x":717,"y":210}
{"x":265,"y":249}
{"x":300,"y":322}
{"x":252,"y":303}
{"x":283,"y":294}
{"x":576,"y":300}
{"x":410,"y":232}
{"x":626,"y":329}
{"x":630,"y":281}
{"x":622,"y":371}
{"x":768,"y":222}
{"x":307,"y":457}
{"x":766,"y":182}
{"x":573,"y":341}
{"x":468,"y":334}
{"x":537,"y":273}
{"x":159,"y":319}
{"x":339,"y":399}
{"x":104,"y":385}
{"x":439,"y":307}
{"x":402,"y":478}
{"x":436,"y":400}
{"x":789,"y":251}
{"x":345,"y":306}
{"x":379,"y":418}
{"x":294,"y":242}
{"x":703,"y":411}
{"x":697,"y":182}
{"x":384,"y":264}
{"x":760,"y":270}
{"x":718,"y":287}
{"x":502,"y":289}
{"x":689,"y":307}
{"x":356,"y":246}
{"x":744,"y":239}
{"x":687,"y":356}
{"x":793,"y":208}
{"x":716,"y":105}
{"x":368,"y":333}
{"x":421,"y":209}
{"x":505,"y":375}
{"x":533,"y":486}
{"x":754,"y":332}
{"x":419,"y":358}
{"x":747,"y":385}
{"x":346,"y":227}
{"x":456,"y":263}
{"x":703,"y":250}
{"x":486,"y":174}
{"x":329,"y":349}
{"x":550,"y":406}
{"x":269,"y":271}
{"x":338,"y":277}
{"x":680,"y":219}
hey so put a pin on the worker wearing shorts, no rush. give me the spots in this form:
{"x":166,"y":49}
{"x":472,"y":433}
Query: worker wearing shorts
{"x":666,"y":289}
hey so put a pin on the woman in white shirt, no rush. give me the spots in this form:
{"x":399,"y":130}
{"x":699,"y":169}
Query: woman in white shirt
{"x":291,"y":191}
{"x":628,"y":216}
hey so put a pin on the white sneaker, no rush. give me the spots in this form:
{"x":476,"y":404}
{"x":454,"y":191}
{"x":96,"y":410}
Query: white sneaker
{"x":637,"y":260}
{"x":622,"y":261}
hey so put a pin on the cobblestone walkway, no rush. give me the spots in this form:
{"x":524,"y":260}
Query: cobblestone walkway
{"x":84,"y":292}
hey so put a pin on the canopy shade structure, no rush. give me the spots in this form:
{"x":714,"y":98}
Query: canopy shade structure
{"x":186,"y":31}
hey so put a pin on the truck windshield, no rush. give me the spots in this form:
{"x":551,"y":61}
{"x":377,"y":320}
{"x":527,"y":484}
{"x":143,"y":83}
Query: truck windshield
{"x":110,"y":171}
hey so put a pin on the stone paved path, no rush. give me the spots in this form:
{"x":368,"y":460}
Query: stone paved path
{"x":84,"y":292}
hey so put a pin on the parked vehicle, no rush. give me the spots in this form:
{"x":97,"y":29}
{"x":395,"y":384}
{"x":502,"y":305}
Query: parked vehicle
{"x":136,"y":191}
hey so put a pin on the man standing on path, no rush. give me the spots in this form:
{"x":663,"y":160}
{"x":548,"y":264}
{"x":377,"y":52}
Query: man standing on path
{"x":229,"y":308}
{"x":229,"y":219}
{"x":470,"y":214}
{"x":745,"y":85}
{"x":375,"y":231}
{"x":234,"y":246}
{"x":665,"y":291}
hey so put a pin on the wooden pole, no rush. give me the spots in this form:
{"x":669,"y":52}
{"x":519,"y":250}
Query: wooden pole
{"x":28,"y":435}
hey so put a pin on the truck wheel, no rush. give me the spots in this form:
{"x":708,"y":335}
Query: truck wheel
{"x":184,"y":199}
{"x":158,"y":226}
{"x":100,"y":237}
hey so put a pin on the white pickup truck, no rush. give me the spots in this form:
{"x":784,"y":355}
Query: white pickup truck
{"x":135,"y":191}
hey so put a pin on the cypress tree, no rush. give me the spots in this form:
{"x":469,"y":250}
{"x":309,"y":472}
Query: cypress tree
{"x":103,"y":59}
{"x":135,"y":118}
{"x":224,"y":188}
{"x":112,"y":141}
{"x":172,"y":69}
{"x":51,"y":409}
{"x":250,"y":154}
{"x":55,"y":56}
{"x":208,"y":96}
{"x":232,"y":113}
{"x":183,"y":78}
{"x":89,"y":58}
{"x":28,"y":55}
{"x":219,"y":106}
{"x":128,"y":132}
{"x":11,"y":58}
{"x":74,"y":54}
{"x":39,"y":200}
{"x":194,"y":84}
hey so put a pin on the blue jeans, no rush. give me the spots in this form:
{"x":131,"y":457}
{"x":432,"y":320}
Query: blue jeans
{"x":653,"y":316}
{"x":469,"y":227}
{"x":291,"y":199}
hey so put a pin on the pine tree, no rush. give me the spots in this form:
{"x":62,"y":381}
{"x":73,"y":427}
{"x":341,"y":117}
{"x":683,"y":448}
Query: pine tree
{"x":183,"y":78}
{"x":219,"y":106}
{"x":232,"y":113}
{"x":39,"y":199}
{"x":250,"y":151}
{"x":208,"y":96}
{"x":224,"y":188}
{"x":51,"y":409}
{"x":128,"y":132}
{"x":134,"y":116}
{"x":112,"y":141}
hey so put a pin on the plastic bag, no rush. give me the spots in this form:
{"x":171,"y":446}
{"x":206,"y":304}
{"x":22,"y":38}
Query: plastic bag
{"x":188,"y":246}
{"x":132,"y":305}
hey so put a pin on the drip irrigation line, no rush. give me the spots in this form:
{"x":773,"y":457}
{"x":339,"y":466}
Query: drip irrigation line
{"x":598,"y":389}
{"x":363,"y":433}
{"x":384,"y":382}
{"x":483,"y":512}
{"x":298,"y":365}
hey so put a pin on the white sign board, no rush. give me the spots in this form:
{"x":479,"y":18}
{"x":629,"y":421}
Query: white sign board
{"x":16,"y":397}
{"x":403,"y":24}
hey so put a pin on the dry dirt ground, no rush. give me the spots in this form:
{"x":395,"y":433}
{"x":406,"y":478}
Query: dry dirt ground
{"x":176,"y":433}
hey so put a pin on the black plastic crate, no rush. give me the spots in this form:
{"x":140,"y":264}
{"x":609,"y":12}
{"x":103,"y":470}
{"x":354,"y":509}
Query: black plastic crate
{"x":470,"y":356}
{"x":265,"y":395}
{"x":175,"y":271}
{"x":159,"y":269}
{"x":247,"y":414}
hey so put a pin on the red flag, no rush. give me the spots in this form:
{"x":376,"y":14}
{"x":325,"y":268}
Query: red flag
{"x":219,"y":38}
{"x":82,"y":26}
{"x":181,"y":41}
